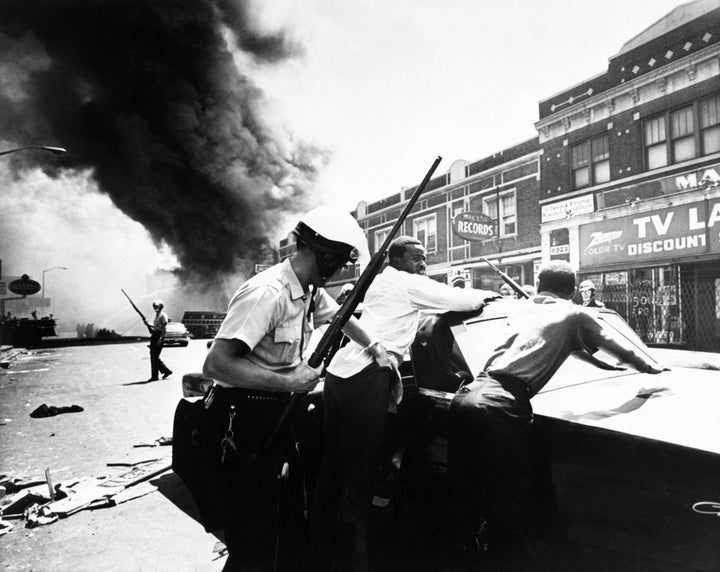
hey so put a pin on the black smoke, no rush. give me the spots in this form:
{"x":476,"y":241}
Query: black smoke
{"x":147,"y":95}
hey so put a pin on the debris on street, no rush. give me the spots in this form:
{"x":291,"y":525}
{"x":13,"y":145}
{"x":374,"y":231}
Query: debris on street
{"x":30,"y":501}
{"x":45,"y":410}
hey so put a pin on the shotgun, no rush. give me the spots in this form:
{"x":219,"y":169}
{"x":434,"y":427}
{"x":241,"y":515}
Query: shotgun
{"x":136,"y":308}
{"x":509,"y":281}
{"x":334,"y":330}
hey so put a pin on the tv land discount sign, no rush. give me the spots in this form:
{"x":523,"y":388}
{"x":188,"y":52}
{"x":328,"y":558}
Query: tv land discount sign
{"x":663,"y":234}
{"x":474,"y":226}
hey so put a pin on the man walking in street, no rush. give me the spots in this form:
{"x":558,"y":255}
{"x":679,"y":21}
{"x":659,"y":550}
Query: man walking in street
{"x":492,"y":458}
{"x":258,"y":358}
{"x":157,"y":336}
{"x":357,"y":395}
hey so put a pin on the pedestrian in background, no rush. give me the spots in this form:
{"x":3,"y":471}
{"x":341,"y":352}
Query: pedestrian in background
{"x":157,"y":336}
{"x":357,"y":395}
{"x":257,"y":360}
{"x":587,"y":292}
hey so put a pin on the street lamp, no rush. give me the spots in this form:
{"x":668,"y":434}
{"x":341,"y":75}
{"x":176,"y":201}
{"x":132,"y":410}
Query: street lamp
{"x":43,"y":280}
{"x":53,"y":150}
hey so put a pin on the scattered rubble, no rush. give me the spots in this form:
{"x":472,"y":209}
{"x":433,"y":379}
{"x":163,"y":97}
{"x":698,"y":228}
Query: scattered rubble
{"x":38,"y":503}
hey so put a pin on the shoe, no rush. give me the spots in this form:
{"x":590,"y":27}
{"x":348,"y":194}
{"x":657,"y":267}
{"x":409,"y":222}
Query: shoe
{"x":154,"y":379}
{"x":167,"y":374}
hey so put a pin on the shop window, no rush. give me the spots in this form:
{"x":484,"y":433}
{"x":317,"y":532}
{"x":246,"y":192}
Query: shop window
{"x":425,"y":230}
{"x":590,"y":162}
{"x":682,"y":134}
{"x":507,"y":216}
{"x":710,"y":125}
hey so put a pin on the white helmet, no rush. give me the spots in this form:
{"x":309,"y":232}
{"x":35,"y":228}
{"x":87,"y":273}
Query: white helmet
{"x":158,"y":304}
{"x":332,"y":231}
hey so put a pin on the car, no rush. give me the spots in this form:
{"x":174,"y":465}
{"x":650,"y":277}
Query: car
{"x":636,"y":457}
{"x":176,"y":335}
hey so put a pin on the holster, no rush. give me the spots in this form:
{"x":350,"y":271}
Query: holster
{"x":223,"y":487}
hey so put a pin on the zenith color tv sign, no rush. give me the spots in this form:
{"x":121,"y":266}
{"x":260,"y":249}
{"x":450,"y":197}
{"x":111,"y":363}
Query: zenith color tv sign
{"x":664,"y":234}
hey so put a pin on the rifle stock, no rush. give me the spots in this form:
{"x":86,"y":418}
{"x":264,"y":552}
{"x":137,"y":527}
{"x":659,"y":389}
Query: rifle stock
{"x":136,"y":308}
{"x":509,"y":281}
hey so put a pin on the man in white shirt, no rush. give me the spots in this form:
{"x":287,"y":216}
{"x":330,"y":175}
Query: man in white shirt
{"x":157,"y":336}
{"x":357,"y":395}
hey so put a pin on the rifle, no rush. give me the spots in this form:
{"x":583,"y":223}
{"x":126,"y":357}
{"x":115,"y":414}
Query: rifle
{"x":509,"y":281}
{"x":334,"y":330}
{"x":136,"y":308}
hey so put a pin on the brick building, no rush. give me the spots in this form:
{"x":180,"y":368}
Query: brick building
{"x":623,"y":181}
{"x":630,"y":179}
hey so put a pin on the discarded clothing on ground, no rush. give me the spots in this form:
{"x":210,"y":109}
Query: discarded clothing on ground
{"x":50,"y":410}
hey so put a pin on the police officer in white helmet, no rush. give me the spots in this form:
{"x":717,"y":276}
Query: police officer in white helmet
{"x":157,"y":337}
{"x":587,"y":292}
{"x":257,"y":360}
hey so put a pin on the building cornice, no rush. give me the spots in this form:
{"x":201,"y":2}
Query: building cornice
{"x":466,"y":181}
{"x":672,"y":77}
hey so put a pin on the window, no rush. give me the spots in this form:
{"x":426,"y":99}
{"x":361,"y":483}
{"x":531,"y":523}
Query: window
{"x":459,"y":247}
{"x":590,"y":162}
{"x":682,"y":134}
{"x":710,"y":125}
{"x":425,"y":230}
{"x":655,"y":146}
{"x":380,"y":236}
{"x":506,"y":218}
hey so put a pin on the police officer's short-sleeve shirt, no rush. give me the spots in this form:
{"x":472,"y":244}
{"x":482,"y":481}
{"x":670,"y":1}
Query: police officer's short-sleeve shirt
{"x":269,"y":313}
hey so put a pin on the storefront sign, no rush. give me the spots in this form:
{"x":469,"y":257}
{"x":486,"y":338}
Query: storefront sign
{"x":702,"y":179}
{"x":24,"y":286}
{"x":568,"y":209}
{"x":657,"y":235}
{"x":560,"y":244}
{"x":472,"y":225}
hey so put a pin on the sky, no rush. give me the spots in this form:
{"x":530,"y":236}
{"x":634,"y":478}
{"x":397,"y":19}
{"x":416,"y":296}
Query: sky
{"x":347,"y":101}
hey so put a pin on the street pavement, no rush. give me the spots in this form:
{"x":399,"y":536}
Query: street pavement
{"x":156,"y":532}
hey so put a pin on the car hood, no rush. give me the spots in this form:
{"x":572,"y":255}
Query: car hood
{"x":678,"y":406}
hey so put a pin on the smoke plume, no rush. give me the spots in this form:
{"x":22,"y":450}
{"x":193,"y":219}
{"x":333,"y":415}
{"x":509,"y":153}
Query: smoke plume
{"x":147,"y":97}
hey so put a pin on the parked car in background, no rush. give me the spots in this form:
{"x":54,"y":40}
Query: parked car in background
{"x":176,"y":335}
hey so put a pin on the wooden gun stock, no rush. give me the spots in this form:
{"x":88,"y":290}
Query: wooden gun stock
{"x":136,"y":308}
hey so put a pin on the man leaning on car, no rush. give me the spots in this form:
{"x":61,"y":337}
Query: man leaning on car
{"x":492,"y":457}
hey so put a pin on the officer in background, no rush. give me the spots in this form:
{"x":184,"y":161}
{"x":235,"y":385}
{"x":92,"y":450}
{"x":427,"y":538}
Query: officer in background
{"x":587,"y":292}
{"x":157,"y":336}
{"x":258,"y":359}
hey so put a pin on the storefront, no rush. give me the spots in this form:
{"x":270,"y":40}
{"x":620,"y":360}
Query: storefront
{"x":660,"y":270}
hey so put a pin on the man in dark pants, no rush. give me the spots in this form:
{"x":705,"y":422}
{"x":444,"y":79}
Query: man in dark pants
{"x":157,"y":336}
{"x":357,"y":395}
{"x":257,"y":360}
{"x":493,"y":457}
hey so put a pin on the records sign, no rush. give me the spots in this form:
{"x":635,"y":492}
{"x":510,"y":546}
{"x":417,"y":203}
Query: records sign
{"x":473,"y":226}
